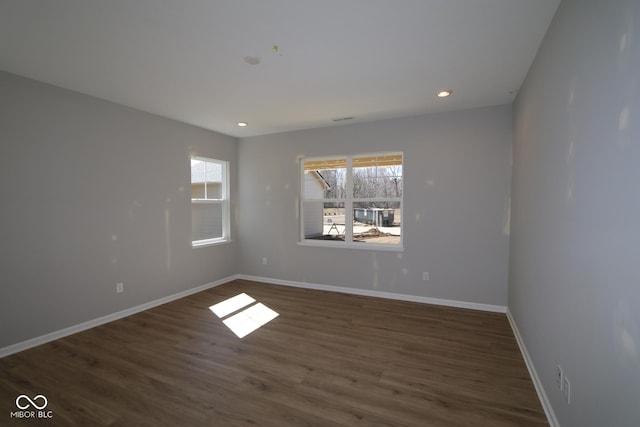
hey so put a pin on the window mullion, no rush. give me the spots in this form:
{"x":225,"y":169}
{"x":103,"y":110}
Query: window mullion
{"x":348,"y":204}
{"x":226,"y":208}
{"x":205,"y":181}
{"x":301,"y":199}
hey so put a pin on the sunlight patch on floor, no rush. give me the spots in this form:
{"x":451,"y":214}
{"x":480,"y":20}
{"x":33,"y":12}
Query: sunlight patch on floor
{"x":231,"y":305}
{"x":247,"y":320}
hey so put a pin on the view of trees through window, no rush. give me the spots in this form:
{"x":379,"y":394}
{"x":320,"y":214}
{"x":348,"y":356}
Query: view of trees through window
{"x":370,"y":187}
{"x":368,"y":182}
{"x":377,"y":181}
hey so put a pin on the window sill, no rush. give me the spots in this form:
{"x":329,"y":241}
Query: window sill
{"x":212,"y":242}
{"x":358,"y":246}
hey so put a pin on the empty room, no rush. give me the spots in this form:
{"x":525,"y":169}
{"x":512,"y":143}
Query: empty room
{"x":320,"y":213}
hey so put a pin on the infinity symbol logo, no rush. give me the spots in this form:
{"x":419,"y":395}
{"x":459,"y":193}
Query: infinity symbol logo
{"x":30,"y":402}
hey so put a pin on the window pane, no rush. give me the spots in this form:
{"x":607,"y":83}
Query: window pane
{"x":206,"y":180}
{"x":206,"y":220}
{"x":324,"y":220}
{"x":197,"y":171}
{"x":377,"y":222}
{"x":214,"y":190}
{"x":197,"y":190}
{"x":325,"y":179}
{"x":377,"y":176}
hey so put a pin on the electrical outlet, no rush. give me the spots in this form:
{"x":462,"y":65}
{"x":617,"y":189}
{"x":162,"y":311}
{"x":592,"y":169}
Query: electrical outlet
{"x":264,"y":260}
{"x":566,"y":389}
{"x":559,"y":377}
{"x":119,"y":287}
{"x":425,"y":275}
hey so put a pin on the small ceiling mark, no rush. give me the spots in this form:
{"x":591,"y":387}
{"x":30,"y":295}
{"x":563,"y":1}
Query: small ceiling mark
{"x":252,"y":60}
{"x":342,"y":119}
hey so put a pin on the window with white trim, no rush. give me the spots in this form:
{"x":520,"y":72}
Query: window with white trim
{"x":209,"y":201}
{"x":352,"y":201}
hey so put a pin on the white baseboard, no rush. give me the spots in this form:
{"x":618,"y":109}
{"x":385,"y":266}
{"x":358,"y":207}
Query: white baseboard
{"x":33,"y":342}
{"x":542,"y":395}
{"x":379,"y":294}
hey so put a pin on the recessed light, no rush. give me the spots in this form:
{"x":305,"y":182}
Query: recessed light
{"x":444,"y":93}
{"x":242,"y":124}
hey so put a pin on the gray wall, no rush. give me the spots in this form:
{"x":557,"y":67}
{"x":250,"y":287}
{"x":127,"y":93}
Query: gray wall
{"x":93,"y":194}
{"x":574,"y":287}
{"x":457,"y":180}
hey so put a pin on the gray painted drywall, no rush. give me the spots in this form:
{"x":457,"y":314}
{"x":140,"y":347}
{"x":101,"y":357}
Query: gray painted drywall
{"x":574,"y":287}
{"x":93,"y":194}
{"x":457,"y":169}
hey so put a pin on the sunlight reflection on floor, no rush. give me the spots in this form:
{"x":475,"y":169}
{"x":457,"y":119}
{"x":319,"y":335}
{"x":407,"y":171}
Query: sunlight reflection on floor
{"x":247,"y":320}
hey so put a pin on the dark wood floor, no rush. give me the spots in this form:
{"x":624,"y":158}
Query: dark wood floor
{"x":329,"y":359}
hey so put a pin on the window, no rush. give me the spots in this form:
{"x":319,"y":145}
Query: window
{"x":209,"y":201}
{"x":352,"y":201}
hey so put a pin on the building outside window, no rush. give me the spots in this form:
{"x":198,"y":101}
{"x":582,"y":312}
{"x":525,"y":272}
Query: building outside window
{"x":352,"y":201}
{"x":209,"y":201}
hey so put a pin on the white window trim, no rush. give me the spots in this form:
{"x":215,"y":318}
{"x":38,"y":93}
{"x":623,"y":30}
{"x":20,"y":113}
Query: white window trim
{"x":224,"y":201}
{"x":353,"y":245}
{"x":210,"y":242}
{"x":348,"y":202}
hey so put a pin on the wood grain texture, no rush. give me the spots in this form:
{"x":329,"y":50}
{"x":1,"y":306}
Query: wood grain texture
{"x":329,"y":359}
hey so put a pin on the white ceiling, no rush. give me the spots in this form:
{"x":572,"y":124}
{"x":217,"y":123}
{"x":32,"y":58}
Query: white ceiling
{"x":185,"y":59}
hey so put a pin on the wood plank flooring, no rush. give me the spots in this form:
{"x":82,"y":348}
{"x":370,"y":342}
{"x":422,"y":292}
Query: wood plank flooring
{"x":328,"y":360}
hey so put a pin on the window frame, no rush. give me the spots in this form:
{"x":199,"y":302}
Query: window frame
{"x":349,"y":202}
{"x":223,"y":201}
